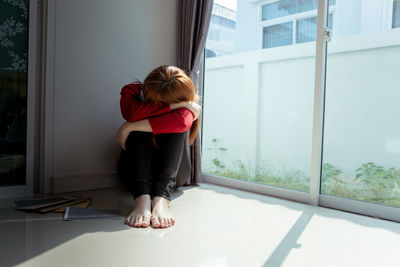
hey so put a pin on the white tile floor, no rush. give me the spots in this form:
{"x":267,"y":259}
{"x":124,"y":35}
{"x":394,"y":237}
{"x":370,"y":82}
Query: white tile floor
{"x":215,"y":226}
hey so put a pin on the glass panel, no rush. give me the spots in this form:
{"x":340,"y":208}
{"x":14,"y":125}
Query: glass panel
{"x":13,"y":76}
{"x":221,"y":34}
{"x":226,"y":22}
{"x":396,"y":13}
{"x":278,"y":35}
{"x":284,"y":8}
{"x":258,"y":104}
{"x":306,"y":30}
{"x":361,"y":155}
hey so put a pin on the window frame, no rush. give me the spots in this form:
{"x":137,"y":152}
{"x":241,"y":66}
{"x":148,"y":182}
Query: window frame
{"x":390,"y":17}
{"x":35,"y":10}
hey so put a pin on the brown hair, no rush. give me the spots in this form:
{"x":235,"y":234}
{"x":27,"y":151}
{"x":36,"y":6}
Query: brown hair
{"x":170,"y":84}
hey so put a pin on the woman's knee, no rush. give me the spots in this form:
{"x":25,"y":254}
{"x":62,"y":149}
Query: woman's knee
{"x":138,"y":138}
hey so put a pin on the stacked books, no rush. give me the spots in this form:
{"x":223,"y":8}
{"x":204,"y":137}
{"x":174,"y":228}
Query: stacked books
{"x":56,"y":204}
{"x":75,"y":208}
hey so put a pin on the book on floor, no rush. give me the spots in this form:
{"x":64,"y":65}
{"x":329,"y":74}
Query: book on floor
{"x":38,"y":203}
{"x":77,"y":213}
{"x":83,"y":204}
{"x":64,"y":205}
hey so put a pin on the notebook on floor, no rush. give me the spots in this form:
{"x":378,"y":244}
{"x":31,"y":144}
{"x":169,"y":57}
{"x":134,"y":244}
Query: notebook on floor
{"x":77,"y":213}
{"x":38,"y":203}
{"x":82,"y":202}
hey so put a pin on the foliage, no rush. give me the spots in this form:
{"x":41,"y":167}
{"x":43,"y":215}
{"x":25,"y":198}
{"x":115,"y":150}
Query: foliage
{"x":217,"y":163}
{"x":379,"y":181}
{"x":332,"y":182}
{"x":13,"y":35}
{"x":372,"y":183}
{"x":293,"y":179}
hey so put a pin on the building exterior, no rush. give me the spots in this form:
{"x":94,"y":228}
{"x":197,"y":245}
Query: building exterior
{"x":261,"y":24}
{"x":221,"y":34}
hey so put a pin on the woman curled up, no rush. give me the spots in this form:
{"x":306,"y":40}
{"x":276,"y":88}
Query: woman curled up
{"x":161,"y":114}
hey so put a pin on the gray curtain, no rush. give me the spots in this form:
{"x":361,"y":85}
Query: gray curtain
{"x":195,"y":18}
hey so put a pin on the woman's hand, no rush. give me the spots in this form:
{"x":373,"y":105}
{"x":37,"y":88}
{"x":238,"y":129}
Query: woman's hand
{"x":194,"y":108}
{"x":122,"y":134}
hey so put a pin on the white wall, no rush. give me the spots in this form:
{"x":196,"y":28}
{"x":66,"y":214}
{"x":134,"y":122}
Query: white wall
{"x":229,"y":115}
{"x":247,"y":27}
{"x":273,"y":105}
{"x":286,"y":113}
{"x":100,"y":45}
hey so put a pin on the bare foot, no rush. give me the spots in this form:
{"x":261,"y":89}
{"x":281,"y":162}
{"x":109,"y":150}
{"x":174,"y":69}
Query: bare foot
{"x":160,"y":215}
{"x":140,"y":216}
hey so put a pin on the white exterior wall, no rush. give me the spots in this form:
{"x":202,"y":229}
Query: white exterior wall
{"x":247,"y":27}
{"x":347,"y":18}
{"x":230,"y":112}
{"x":287,"y":96}
{"x":362,"y":105}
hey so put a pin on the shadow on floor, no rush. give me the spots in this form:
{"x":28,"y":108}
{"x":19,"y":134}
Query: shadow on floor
{"x":290,"y":240}
{"x":309,"y":209}
{"x":25,"y":235}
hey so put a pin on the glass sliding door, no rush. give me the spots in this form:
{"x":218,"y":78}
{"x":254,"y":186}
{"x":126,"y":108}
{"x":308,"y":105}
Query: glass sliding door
{"x":361,"y":149}
{"x":13,"y":91}
{"x":259,"y":92}
{"x":260,"y":124}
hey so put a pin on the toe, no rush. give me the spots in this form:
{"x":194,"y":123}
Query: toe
{"x":155,"y":222}
{"x":163,"y":223}
{"x":160,"y":220}
{"x":139,"y":221}
{"x":136,"y":223}
{"x":133,"y":220}
{"x":146,"y":221}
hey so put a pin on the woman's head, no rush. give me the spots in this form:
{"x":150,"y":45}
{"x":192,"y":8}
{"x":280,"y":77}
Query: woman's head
{"x":168,"y":84}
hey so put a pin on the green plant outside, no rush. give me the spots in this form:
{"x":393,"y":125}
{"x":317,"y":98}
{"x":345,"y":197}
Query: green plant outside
{"x":371,"y":183}
{"x":291,"y":179}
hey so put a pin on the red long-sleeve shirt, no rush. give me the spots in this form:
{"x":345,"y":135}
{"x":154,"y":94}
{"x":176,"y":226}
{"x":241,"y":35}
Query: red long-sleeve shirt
{"x":161,"y":118}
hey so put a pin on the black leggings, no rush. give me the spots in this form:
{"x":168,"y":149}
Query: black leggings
{"x":148,"y":169}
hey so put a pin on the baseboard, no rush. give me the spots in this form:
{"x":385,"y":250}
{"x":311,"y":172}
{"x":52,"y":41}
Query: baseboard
{"x":73,"y":183}
{"x":15,"y":191}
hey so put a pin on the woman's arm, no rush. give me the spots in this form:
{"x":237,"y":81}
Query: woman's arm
{"x":177,"y":121}
{"x":133,"y":109}
{"x":127,"y":127}
{"x":192,"y":106}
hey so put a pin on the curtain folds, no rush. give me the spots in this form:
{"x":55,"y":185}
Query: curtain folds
{"x":195,"y":18}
